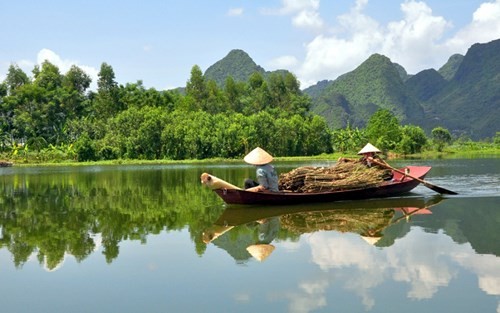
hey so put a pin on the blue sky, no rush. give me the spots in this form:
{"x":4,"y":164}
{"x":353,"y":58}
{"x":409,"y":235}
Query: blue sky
{"x":159,"y":41}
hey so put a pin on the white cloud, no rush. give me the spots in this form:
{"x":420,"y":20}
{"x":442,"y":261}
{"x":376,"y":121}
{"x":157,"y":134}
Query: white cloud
{"x":417,"y":41}
{"x":235,"y":12}
{"x":484,"y":27}
{"x":414,"y":41}
{"x":307,"y":19}
{"x":305,"y":13}
{"x":294,"y":6}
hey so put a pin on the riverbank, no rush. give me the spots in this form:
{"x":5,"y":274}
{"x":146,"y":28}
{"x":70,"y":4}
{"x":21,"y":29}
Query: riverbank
{"x":450,"y":153}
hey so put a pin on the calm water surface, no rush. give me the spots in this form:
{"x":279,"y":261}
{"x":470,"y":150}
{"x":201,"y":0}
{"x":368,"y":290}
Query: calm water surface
{"x":152,"y":239}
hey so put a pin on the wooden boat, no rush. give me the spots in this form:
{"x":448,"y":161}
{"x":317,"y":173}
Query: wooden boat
{"x":400,"y":184}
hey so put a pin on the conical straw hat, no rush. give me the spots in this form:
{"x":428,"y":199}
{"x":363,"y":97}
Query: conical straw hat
{"x":369,"y":148}
{"x":260,"y":251}
{"x":371,"y":240}
{"x":258,"y":156}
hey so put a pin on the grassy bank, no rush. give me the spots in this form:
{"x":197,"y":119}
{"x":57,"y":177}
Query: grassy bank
{"x":451,"y":152}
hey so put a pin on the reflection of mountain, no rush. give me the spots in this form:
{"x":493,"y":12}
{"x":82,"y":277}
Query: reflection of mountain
{"x":470,"y":220}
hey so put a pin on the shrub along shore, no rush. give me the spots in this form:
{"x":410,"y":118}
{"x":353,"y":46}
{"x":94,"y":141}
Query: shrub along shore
{"x":450,"y":152}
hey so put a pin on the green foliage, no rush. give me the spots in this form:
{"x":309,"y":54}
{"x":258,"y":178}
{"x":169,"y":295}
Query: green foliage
{"x":496,"y":139}
{"x":77,"y":79}
{"x":426,"y":84}
{"x":59,"y":119}
{"x":48,"y":77}
{"x":469,"y":105}
{"x":355,"y":96}
{"x":348,"y":139}
{"x":107,"y":101}
{"x":440,"y":137}
{"x":15,"y":79}
{"x":237,"y":64}
{"x":450,"y":68}
{"x":463,"y":96}
{"x":383,"y":130}
{"x":413,"y":139}
{"x":84,"y":148}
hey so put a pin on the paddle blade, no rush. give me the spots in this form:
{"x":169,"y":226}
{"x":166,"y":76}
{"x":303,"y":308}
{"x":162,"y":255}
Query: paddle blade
{"x":440,"y":190}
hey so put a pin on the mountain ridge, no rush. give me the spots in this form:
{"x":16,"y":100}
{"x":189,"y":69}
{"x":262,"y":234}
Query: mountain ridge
{"x":461,"y":96}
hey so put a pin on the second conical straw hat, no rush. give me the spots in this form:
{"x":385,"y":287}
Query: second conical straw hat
{"x":369,"y":148}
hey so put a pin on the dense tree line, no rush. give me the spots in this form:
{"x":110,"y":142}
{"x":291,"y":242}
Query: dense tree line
{"x":115,"y":121}
{"x":56,"y":116}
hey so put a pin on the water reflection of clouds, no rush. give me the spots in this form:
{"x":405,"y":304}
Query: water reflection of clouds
{"x":309,"y":298}
{"x":424,"y":261}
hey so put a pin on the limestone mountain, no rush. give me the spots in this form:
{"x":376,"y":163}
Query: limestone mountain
{"x":470,"y":103}
{"x":462,"y":96}
{"x":425,"y":84}
{"x":450,"y":68}
{"x":355,"y":96}
{"x":237,"y":64}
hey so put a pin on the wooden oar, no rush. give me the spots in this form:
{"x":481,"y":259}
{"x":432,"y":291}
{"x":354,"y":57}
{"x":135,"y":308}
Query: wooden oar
{"x":438,"y":189}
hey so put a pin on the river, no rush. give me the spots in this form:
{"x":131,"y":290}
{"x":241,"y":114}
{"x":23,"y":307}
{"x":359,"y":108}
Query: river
{"x":151,"y":238}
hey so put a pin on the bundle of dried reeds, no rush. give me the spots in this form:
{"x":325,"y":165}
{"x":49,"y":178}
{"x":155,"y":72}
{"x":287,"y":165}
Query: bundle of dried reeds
{"x":344,"y":175}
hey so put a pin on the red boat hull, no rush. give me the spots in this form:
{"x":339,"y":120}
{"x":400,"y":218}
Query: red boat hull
{"x":397,"y":186}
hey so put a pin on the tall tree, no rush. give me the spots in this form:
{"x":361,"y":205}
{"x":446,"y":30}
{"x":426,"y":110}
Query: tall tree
{"x":413,"y":139}
{"x":196,"y":86}
{"x":383,"y":130}
{"x":48,"y":76}
{"x":16,"y":78}
{"x":107,"y":102}
{"x":441,"y":137}
{"x":77,"y":79}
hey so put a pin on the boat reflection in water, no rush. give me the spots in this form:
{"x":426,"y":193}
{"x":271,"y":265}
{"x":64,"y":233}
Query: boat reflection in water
{"x":248,"y":231}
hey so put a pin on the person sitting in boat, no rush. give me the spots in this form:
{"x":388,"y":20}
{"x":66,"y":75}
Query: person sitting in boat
{"x":371,"y":158}
{"x":369,"y":154}
{"x":267,"y":178}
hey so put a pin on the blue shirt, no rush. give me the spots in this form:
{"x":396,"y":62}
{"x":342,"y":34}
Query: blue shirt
{"x":267,"y":177}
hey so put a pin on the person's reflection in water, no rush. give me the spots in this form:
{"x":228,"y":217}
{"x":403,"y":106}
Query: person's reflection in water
{"x":267,"y":230}
{"x":245,"y":241}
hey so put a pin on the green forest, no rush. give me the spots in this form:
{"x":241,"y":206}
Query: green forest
{"x":54,"y":116}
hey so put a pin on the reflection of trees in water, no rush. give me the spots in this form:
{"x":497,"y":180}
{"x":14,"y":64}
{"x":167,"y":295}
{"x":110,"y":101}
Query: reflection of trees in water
{"x":55,"y":214}
{"x":52,"y":215}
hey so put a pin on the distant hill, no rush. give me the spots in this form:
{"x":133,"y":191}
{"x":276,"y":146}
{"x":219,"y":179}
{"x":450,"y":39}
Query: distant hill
{"x":376,"y":83}
{"x":450,"y":68}
{"x":470,"y":103}
{"x":237,"y":64}
{"x":462,"y":96}
{"x":425,"y":84}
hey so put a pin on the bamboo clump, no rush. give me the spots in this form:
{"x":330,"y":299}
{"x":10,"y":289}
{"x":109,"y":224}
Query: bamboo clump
{"x":344,"y":175}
